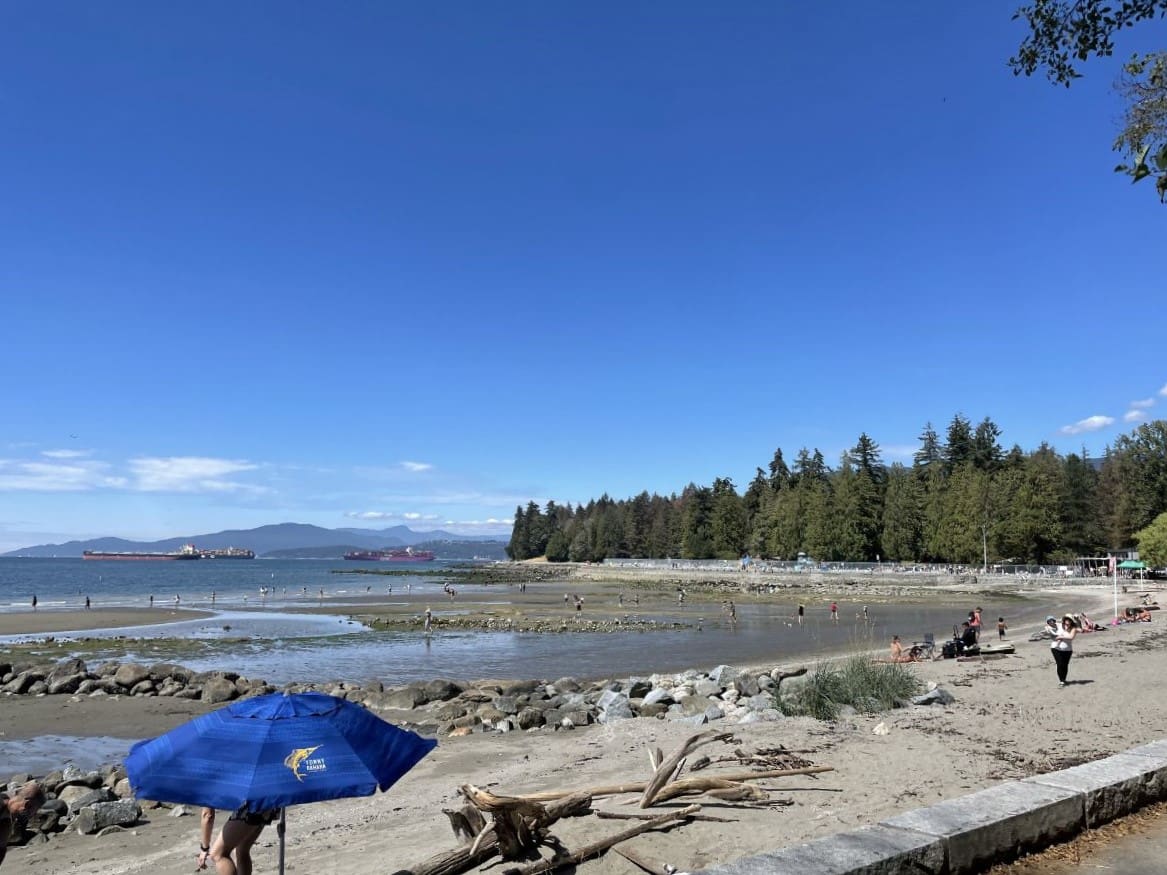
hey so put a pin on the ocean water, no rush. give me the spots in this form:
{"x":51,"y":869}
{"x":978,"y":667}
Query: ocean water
{"x":64,"y":583}
{"x":258,"y":636}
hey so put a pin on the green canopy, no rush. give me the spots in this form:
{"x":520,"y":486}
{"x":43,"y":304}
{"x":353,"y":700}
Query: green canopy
{"x":1131,"y":563}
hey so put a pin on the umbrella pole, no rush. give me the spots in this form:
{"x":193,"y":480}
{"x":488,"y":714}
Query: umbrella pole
{"x":281,"y":828}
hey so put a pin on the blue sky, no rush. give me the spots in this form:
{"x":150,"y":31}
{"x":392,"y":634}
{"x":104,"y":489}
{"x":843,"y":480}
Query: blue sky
{"x":373,"y":263}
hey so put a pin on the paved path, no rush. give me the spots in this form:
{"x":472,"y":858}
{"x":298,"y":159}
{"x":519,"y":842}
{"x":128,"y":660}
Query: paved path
{"x":1141,"y":853}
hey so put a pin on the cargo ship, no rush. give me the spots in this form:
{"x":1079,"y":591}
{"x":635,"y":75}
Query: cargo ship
{"x":189,"y":551}
{"x":407,"y":554}
{"x":229,"y":553}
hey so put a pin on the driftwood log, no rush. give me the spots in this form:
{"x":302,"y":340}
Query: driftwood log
{"x":596,"y":848}
{"x":486,"y":844}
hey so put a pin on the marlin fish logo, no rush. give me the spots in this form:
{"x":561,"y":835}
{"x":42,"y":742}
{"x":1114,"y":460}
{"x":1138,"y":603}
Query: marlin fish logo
{"x":296,"y":758}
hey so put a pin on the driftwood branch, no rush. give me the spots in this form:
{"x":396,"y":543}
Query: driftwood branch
{"x":597,"y":848}
{"x":635,"y":859}
{"x":670,"y":768}
{"x":615,"y":815}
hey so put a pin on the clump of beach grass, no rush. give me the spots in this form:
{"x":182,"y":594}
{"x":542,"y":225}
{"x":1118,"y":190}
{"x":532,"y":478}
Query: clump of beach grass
{"x":856,"y":681}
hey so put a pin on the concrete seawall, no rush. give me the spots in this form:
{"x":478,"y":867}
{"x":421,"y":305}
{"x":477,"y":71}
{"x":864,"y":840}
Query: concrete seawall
{"x":971,"y":833}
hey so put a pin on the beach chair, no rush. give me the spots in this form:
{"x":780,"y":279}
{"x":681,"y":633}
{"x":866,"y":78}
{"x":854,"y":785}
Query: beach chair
{"x":927,"y":646}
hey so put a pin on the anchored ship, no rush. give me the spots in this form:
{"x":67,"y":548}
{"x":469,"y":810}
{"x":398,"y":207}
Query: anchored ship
{"x":407,"y":554}
{"x":188,"y":551}
{"x":228,"y":553}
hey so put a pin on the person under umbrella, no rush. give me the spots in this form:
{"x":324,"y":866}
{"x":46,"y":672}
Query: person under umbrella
{"x":231,"y":852}
{"x":259,"y":755}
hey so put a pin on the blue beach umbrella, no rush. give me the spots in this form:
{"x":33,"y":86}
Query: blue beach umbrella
{"x":274,"y":751}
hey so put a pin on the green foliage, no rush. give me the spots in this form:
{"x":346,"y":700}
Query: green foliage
{"x":1018,"y":507}
{"x":1064,"y":31}
{"x":867,"y":686}
{"x":1152,"y":542}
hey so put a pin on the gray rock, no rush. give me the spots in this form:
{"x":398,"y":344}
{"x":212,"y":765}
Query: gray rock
{"x":23,"y":682}
{"x":529,"y":718}
{"x":746,"y":684}
{"x":67,"y":668}
{"x":94,"y":818}
{"x":566,"y":685}
{"x":617,"y":709}
{"x":217,"y":690}
{"x":405,"y":698}
{"x":759,"y":702}
{"x":143,"y":688}
{"x":659,"y":695}
{"x":66,"y":684}
{"x":713,"y":713}
{"x":130,"y":674}
{"x":653,"y":710}
{"x":162,"y":671}
{"x":77,"y":797}
{"x":638,"y":688}
{"x":724,"y":675}
{"x":507,"y":704}
{"x":938,"y":696}
{"x":706,"y":687}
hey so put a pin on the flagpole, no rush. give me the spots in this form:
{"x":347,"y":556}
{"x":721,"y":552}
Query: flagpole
{"x":1114,"y":568}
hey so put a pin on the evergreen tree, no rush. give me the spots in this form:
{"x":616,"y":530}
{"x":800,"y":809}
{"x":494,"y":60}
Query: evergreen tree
{"x":779,"y":473}
{"x":728,"y":520}
{"x":903,"y":516}
{"x":986,"y":450}
{"x":958,"y":448}
{"x":518,"y":549}
{"x":930,"y":452}
{"x":537,"y":530}
{"x":1082,"y":533}
{"x":697,"y":528}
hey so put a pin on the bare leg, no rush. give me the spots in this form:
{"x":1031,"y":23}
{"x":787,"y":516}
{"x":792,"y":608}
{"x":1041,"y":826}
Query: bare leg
{"x":237,"y":837}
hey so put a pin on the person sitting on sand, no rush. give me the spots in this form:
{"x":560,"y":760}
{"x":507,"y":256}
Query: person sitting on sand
{"x":898,"y":654}
{"x":968,"y":638}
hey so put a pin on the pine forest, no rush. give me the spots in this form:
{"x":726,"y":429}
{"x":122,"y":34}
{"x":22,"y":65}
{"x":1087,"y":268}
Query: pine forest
{"x":963,"y":498}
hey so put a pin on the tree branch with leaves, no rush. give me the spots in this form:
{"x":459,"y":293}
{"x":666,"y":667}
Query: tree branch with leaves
{"x":1064,"y":33}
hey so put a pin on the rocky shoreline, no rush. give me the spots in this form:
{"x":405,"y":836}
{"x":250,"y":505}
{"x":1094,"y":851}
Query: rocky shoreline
{"x":99,"y":801}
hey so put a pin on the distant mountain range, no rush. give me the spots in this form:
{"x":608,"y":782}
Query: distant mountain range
{"x":295,"y":539}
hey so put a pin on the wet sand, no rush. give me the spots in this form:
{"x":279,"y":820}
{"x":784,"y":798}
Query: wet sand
{"x":49,"y":621}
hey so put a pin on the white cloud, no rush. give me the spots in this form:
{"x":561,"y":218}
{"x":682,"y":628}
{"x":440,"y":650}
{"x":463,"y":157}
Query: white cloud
{"x":80,"y":476}
{"x":1163,"y":391}
{"x":189,"y":474}
{"x":1143,"y":404}
{"x":1134,"y":416}
{"x":469,"y":524}
{"x":416,"y":467}
{"x":1090,"y":423}
{"x":373,"y":515}
{"x":65,"y":454}
{"x":899,"y":452}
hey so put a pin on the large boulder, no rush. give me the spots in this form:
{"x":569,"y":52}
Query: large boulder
{"x":217,"y":690}
{"x":441,"y":690}
{"x":66,"y":684}
{"x":724,"y":675}
{"x":96,"y":817}
{"x":130,"y":674}
{"x":67,"y":668}
{"x":405,"y":698}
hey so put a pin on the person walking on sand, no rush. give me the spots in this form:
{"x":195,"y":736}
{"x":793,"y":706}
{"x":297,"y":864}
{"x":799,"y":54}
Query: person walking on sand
{"x":429,"y":619}
{"x":834,"y":612}
{"x":801,"y":612}
{"x":1063,"y":647}
{"x":1001,"y":628}
{"x":87,"y":603}
{"x":34,"y":601}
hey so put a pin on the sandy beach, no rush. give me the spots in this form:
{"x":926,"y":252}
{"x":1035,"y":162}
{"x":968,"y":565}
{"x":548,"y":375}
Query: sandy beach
{"x":1009,"y":720}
